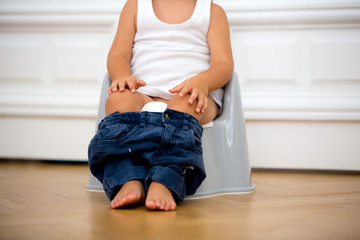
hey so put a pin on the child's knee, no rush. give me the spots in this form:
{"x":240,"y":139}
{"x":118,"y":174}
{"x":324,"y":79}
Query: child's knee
{"x":178,"y":102}
{"x":181,"y":104}
{"x":123,"y":102}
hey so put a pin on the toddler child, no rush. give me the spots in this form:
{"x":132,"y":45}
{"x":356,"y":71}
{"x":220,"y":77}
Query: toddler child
{"x":176,"y":52}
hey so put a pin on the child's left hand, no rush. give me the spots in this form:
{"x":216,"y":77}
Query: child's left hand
{"x":197,"y":90}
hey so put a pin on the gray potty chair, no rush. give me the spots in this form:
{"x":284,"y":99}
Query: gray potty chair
{"x":224,"y":145}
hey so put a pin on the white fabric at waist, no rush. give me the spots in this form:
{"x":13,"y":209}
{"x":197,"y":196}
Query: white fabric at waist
{"x":158,"y":106}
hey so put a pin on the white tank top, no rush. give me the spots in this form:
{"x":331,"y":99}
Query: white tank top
{"x":164,"y":55}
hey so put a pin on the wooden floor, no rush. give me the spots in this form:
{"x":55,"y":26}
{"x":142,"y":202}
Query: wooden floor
{"x":49,"y":201}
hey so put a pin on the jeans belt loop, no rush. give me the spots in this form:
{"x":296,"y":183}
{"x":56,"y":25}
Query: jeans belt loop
{"x":186,"y":121}
{"x":143,"y":119}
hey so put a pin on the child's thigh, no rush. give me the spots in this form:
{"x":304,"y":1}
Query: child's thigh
{"x":125,"y":102}
{"x":181,"y":104}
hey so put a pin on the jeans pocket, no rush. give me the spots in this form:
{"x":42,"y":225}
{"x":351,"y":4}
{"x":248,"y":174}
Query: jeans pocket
{"x":182,"y":139}
{"x":118,"y":132}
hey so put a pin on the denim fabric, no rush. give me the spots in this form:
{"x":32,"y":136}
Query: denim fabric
{"x":148,"y":146}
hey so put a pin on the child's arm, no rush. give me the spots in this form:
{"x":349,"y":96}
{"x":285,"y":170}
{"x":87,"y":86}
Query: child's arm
{"x":119,"y":57}
{"x":221,"y":62}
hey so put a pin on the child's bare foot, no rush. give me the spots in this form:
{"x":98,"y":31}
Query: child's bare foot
{"x":130,"y":193}
{"x":159,"y":197}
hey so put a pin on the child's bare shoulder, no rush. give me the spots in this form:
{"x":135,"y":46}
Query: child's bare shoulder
{"x":128,"y":14}
{"x":217,"y":10}
{"x":130,"y":7}
{"x":217,"y":16}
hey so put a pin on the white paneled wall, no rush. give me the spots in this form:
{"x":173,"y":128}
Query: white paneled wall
{"x":298,"y":62}
{"x":299,"y":65}
{"x":52,"y":60}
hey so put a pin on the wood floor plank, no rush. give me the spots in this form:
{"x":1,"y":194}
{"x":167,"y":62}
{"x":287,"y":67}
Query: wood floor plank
{"x":49,"y":201}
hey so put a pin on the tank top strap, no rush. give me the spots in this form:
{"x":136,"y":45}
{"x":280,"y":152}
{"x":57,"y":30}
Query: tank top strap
{"x":204,"y":14}
{"x":143,"y":16}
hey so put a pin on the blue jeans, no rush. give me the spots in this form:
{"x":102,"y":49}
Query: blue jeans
{"x":148,"y":146}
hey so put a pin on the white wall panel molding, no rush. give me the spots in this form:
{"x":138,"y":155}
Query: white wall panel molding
{"x":307,"y":74}
{"x":55,"y":23}
{"x":240,"y":13}
{"x":49,"y":101}
{"x":77,"y":60}
{"x":57,"y":15}
{"x":51,"y":75}
{"x":277,"y":61}
{"x":326,"y":67}
{"x":282,"y":14}
{"x":302,"y":106}
{"x":53,"y":57}
{"x":21,"y":54}
{"x":285,"y":5}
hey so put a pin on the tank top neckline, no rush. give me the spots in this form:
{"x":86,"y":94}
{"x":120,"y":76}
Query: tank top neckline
{"x":174,"y":25}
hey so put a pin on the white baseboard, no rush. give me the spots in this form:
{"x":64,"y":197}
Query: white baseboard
{"x":45,"y":138}
{"x":329,"y":145}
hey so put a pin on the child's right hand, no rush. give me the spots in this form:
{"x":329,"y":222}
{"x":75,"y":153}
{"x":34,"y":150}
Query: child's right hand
{"x":130,"y":82}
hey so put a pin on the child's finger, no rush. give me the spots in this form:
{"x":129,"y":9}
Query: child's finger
{"x":140,"y":83}
{"x":131,"y":85}
{"x":193,"y":96}
{"x":200,"y":104}
{"x":177,"y":89}
{"x":109,"y":90}
{"x":205,"y":105}
{"x":186,"y":89}
{"x":121,"y":86}
{"x":114,"y":86}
